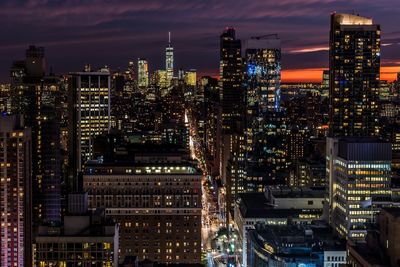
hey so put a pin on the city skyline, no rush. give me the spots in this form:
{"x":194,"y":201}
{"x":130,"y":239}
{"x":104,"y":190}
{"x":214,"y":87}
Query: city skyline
{"x":120,"y":30}
{"x":199,"y":133}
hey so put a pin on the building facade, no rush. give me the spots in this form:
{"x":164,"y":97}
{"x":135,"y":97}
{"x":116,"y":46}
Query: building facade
{"x":359,"y":175}
{"x":143,"y":73}
{"x":89,"y":107}
{"x":169,"y":60}
{"x":354,"y":76}
{"x":157,"y":202}
{"x":15,"y":189}
{"x":84,"y":240}
{"x":231,"y":79}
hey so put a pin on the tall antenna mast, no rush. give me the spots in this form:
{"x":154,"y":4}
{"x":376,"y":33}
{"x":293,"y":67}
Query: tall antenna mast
{"x":169,"y":37}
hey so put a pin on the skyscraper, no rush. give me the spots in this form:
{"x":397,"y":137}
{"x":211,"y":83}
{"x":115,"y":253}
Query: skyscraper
{"x":15,"y":191}
{"x":265,"y":126}
{"x":89,"y":107}
{"x":169,"y":60}
{"x":46,"y":158}
{"x":143,"y":73}
{"x":231,"y":79}
{"x":35,"y":61}
{"x":232,"y":101}
{"x":354,"y":65}
{"x":36,"y":96}
{"x":263,"y":74}
{"x":191,"y":77}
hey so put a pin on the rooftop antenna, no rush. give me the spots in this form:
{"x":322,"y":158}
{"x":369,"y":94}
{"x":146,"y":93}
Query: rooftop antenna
{"x":169,"y":37}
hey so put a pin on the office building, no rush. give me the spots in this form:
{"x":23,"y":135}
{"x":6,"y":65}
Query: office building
{"x":265,"y":128}
{"x":263,"y":74}
{"x":191,"y":77}
{"x":325,"y":84}
{"x":37,"y":97}
{"x":212,"y":131}
{"x":231,"y":79}
{"x":161,"y":79}
{"x":5,"y":98}
{"x":169,"y":60}
{"x":359,"y":175}
{"x":89,"y":107}
{"x":46,"y":160}
{"x":275,"y":207}
{"x":84,"y":239}
{"x":389,"y":234}
{"x":156,"y":199}
{"x":294,"y":246}
{"x":310,"y":172}
{"x":354,"y":76}
{"x":381,"y":247}
{"x":143,"y":73}
{"x":15,"y":189}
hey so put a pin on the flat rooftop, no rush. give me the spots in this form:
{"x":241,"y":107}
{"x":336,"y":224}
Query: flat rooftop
{"x":255,"y":205}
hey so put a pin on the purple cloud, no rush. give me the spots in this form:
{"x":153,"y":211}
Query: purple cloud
{"x":114,"y":32}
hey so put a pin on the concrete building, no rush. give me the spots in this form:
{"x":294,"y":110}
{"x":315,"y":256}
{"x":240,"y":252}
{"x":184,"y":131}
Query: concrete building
{"x":389,"y":234}
{"x":37,"y":97}
{"x":294,"y":246}
{"x":89,"y":106}
{"x":359,"y":174}
{"x":143,"y":73}
{"x":15,"y":190}
{"x":191,"y":77}
{"x":155,"y":198}
{"x":169,"y":60}
{"x":381,"y":247}
{"x":275,"y":207}
{"x":85,"y":239}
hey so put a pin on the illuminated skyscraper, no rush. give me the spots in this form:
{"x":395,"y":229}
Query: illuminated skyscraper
{"x":263,"y":74}
{"x":89,"y":116}
{"x":265,"y":128}
{"x":169,"y":60}
{"x":143,"y":73}
{"x":231,"y":79}
{"x":190,"y":77}
{"x":161,"y":79}
{"x":15,"y":190}
{"x":354,"y":65}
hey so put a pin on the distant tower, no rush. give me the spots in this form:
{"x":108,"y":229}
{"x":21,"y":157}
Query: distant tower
{"x":35,"y":61}
{"x":169,"y":60}
{"x":143,"y":73}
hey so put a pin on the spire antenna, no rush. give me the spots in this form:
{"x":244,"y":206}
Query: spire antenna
{"x":169,"y":37}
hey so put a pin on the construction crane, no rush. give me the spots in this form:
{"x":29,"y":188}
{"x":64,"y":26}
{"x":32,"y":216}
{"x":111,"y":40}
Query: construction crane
{"x":263,"y":37}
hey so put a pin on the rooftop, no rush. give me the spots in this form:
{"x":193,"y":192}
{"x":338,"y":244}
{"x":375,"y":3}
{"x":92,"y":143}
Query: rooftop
{"x":255,"y":205}
{"x":296,"y":192}
{"x":351,"y":19}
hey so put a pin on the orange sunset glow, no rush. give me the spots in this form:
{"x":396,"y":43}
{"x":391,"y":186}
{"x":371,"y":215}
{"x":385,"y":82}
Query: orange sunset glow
{"x":315,"y":74}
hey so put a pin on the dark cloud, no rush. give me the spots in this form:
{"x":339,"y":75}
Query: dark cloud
{"x":113,"y":32}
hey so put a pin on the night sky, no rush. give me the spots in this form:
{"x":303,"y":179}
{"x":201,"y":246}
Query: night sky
{"x":111,"y":33}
